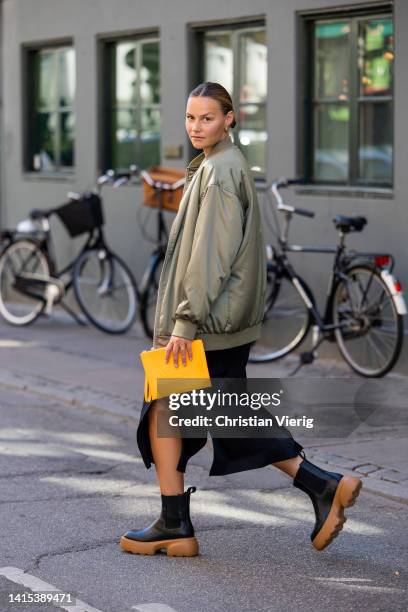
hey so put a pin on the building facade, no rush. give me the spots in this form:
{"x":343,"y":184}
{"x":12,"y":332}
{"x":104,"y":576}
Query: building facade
{"x":319,"y":88}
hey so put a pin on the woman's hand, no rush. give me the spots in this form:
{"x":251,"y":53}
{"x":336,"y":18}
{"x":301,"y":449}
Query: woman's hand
{"x":176,"y":345}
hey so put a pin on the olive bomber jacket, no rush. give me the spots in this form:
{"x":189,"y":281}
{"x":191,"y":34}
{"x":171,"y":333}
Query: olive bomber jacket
{"x":213,"y":281}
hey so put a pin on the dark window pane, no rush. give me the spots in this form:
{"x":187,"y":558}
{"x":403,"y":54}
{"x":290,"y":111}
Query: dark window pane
{"x":218,"y":59}
{"x":375,"y":152}
{"x":150,"y":119}
{"x":376,"y":56}
{"x":332,"y":60}
{"x":44,"y":153}
{"x":253,"y":136}
{"x":124,"y":138}
{"x":47,"y":76}
{"x":134,"y":132}
{"x":331,"y":123}
{"x":66,"y":77}
{"x":253,"y":66}
{"x":150,"y":76}
{"x":126,"y":73}
{"x":149,"y":149}
{"x":67,"y":123}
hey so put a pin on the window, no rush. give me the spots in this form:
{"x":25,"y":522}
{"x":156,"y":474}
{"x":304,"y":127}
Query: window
{"x":349,"y":118}
{"x":51,"y":125}
{"x":131,"y":125}
{"x":236,"y":57}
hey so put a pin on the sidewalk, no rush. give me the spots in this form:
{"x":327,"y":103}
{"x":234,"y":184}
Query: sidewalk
{"x":58,"y":360}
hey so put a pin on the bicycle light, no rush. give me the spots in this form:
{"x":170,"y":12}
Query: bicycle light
{"x":382,"y":261}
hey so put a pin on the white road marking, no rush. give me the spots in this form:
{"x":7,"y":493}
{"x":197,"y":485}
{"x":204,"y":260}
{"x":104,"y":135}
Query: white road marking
{"x":153,"y":607}
{"x":17,"y":343}
{"x":18,"y":576}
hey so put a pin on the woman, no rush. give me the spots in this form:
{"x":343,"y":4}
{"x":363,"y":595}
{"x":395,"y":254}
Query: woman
{"x":212,"y":287}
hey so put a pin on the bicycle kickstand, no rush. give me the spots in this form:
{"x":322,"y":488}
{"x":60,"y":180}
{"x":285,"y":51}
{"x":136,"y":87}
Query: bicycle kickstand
{"x":67,"y":309}
{"x":309,"y":356}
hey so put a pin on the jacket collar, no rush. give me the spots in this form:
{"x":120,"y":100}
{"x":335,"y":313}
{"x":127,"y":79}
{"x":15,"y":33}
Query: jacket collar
{"x":222,"y":144}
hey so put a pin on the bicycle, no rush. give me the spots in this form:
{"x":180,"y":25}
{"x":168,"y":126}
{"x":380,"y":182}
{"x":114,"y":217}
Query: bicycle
{"x":31,"y":284}
{"x":364,"y":302}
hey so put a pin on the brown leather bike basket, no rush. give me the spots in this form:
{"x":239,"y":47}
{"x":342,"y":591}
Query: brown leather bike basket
{"x":168,"y":198}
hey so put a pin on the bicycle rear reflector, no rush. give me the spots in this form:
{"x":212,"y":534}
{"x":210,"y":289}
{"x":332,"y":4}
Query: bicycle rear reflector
{"x":382,"y":260}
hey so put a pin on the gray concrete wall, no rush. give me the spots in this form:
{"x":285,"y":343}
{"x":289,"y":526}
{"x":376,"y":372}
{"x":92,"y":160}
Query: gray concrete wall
{"x":85,"y":20}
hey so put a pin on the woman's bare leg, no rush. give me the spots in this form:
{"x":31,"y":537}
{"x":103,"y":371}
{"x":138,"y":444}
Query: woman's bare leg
{"x":166,"y":454}
{"x":289,"y":466}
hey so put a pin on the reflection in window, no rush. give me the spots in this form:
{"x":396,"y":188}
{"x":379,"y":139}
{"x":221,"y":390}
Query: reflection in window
{"x":351,"y":125}
{"x":376,"y":57}
{"x":133,"y":105}
{"x":237,"y":58}
{"x":52,"y":124}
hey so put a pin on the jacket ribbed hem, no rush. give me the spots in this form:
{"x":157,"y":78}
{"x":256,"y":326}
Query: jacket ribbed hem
{"x":216,"y":342}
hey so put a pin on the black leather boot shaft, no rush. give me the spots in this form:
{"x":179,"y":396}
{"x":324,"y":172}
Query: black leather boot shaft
{"x":174,"y":520}
{"x":176,"y":509}
{"x":321,"y":487}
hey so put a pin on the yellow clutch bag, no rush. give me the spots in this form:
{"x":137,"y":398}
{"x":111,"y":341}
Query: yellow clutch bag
{"x":162,"y":379}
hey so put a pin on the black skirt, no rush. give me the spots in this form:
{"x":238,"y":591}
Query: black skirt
{"x":230,"y":454}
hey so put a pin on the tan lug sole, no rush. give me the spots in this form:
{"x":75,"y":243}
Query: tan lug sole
{"x":346,"y":494}
{"x":180,"y":547}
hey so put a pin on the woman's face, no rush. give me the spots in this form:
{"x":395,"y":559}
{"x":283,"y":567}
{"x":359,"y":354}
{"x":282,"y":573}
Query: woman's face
{"x":206,"y":122}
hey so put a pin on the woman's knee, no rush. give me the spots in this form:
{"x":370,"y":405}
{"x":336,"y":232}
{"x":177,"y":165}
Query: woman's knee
{"x":158,"y":406}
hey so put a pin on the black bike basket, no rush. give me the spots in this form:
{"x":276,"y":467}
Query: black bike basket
{"x":81,"y":216}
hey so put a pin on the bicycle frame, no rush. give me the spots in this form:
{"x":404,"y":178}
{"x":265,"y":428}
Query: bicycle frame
{"x":342,"y":260}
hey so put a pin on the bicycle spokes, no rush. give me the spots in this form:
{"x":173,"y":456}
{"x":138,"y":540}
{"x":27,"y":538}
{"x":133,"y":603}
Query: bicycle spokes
{"x":23,"y":268}
{"x":285,"y":324}
{"x":105,"y":290}
{"x":369,"y":326}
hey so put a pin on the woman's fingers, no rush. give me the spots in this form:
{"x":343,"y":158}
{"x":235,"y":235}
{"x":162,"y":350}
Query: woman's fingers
{"x":178,"y":346}
{"x":183,"y":353}
{"x":190,"y":350}
{"x":169,"y":350}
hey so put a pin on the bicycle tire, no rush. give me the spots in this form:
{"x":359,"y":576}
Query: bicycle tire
{"x":285,"y":301}
{"x":371,"y":319}
{"x":148,"y":300}
{"x":105,"y":265}
{"x":9,"y":305}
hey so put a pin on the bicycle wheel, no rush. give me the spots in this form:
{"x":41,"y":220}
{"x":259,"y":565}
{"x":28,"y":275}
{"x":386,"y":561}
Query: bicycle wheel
{"x":371,"y":332}
{"x":149,"y":297}
{"x":286,"y":322}
{"x":20,"y":303}
{"x":105,"y":290}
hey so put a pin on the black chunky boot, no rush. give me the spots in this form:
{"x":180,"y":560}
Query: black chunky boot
{"x":173,"y":530}
{"x":330,"y":493}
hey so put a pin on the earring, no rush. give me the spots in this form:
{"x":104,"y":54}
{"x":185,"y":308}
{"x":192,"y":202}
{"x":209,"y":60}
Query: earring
{"x":225,"y":129}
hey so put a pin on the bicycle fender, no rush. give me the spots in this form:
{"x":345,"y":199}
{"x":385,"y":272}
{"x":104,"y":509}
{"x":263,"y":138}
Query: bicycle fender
{"x":397,"y":295}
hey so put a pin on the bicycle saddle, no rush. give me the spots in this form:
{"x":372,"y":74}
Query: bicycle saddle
{"x":349,"y":224}
{"x":40,"y":213}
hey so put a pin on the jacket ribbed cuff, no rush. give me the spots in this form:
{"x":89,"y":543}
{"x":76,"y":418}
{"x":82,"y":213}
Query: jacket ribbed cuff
{"x":185,"y":329}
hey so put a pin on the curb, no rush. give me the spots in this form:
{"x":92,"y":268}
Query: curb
{"x":51,"y":389}
{"x":391,"y":490}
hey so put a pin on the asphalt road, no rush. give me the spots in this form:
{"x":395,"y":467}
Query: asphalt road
{"x":72,"y":483}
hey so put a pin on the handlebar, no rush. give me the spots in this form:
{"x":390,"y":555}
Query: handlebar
{"x":160,"y":184}
{"x":285,"y":182}
{"x":121,"y":178}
